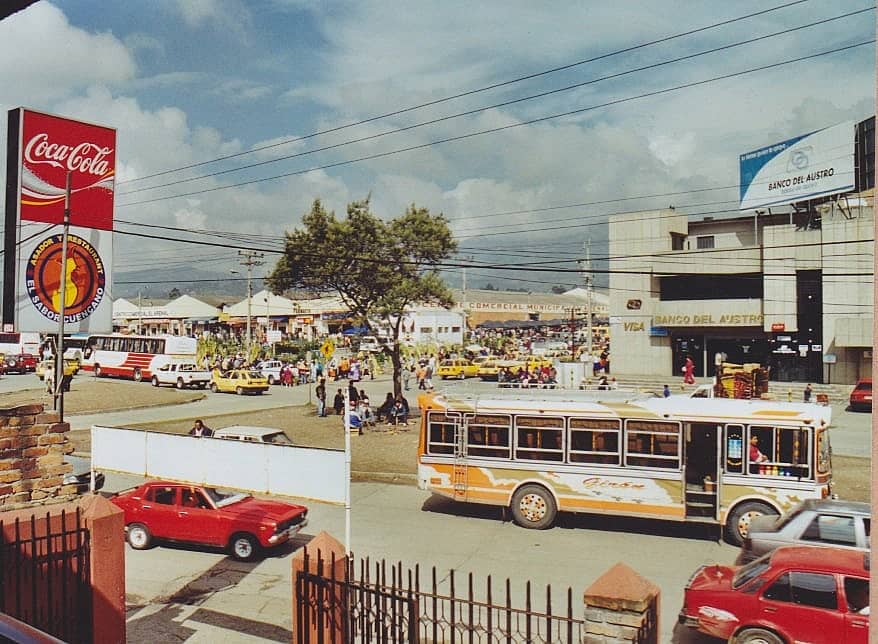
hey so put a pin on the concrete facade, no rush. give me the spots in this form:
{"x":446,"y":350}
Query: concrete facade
{"x":788,"y":292}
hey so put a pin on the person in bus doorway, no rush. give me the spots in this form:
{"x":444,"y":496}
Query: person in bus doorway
{"x":666,"y":392}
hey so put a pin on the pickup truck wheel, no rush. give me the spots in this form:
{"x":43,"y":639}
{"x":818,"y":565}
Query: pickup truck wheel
{"x":270,"y":379}
{"x":180,"y":384}
{"x":139,"y":537}
{"x":244,"y":547}
{"x":213,"y":387}
{"x":155,"y":381}
{"x":138,"y":375}
{"x":738,"y":521}
{"x":756,"y":636}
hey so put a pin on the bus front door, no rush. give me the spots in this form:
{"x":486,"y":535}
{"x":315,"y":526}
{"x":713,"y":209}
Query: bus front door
{"x":701,"y":472}
{"x":459,"y":475}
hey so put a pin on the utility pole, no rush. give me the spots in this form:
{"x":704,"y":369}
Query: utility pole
{"x":587,"y":277}
{"x":468,"y":258}
{"x":249,"y":259}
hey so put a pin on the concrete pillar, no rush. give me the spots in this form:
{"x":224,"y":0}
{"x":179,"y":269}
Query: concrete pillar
{"x":106,"y":526}
{"x":621,"y":606}
{"x":322,"y":547}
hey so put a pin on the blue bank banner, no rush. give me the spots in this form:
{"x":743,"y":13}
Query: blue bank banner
{"x":812,"y":165}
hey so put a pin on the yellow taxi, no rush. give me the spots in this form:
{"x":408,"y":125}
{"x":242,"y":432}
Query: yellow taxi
{"x":458,"y":368}
{"x":490,"y":369}
{"x":238,"y":381}
{"x":71,"y":367}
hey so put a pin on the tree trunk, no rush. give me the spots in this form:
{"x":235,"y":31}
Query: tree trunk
{"x":397,"y":370}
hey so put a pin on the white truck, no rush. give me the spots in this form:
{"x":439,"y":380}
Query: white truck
{"x":181,"y":375}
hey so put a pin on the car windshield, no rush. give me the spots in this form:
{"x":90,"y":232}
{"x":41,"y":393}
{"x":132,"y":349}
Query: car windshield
{"x":278,"y":438}
{"x":747,"y":573}
{"x":255,"y":374}
{"x":222,"y":498}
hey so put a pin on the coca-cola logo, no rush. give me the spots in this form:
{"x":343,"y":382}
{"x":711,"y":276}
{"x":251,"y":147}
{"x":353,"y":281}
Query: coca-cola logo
{"x":85,"y":157}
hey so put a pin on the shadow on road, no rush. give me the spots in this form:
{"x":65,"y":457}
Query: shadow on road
{"x":570,"y":521}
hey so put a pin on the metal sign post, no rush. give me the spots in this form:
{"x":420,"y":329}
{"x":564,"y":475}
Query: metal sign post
{"x":62,"y":299}
{"x":347,"y":470}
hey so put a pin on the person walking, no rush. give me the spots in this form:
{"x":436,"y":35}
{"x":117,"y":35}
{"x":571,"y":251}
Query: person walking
{"x":321,"y":398}
{"x":200,"y":430}
{"x":689,"y":371}
{"x":806,"y":396}
{"x":406,"y":376}
{"x":338,"y":403}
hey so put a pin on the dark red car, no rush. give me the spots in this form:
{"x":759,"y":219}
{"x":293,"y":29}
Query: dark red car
{"x":787,"y":596}
{"x":21,"y":363}
{"x":861,"y":396}
{"x":165,"y":510}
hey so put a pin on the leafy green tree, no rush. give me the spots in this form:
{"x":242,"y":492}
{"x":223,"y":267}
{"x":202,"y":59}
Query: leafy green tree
{"x":377,"y":267}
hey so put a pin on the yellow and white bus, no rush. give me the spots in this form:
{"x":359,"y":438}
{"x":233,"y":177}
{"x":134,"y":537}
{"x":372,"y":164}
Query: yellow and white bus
{"x":695,"y":460}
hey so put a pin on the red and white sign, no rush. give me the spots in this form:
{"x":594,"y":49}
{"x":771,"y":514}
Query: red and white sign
{"x":50,"y":148}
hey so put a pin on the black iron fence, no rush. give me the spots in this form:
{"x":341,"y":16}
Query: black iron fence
{"x":44,"y":574}
{"x":357,"y":601}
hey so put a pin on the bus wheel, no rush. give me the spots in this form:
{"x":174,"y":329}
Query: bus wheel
{"x":138,"y":375}
{"x":98,"y":372}
{"x":738,"y":521}
{"x":533,"y":507}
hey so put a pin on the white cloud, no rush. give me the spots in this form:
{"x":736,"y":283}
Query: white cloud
{"x":231,"y":16}
{"x":191,"y":217}
{"x":44,"y":58}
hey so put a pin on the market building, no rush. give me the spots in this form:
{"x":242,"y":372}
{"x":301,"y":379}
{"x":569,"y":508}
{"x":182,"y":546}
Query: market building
{"x":483,"y":306}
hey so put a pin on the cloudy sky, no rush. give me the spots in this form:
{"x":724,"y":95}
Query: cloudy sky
{"x":291,"y":88}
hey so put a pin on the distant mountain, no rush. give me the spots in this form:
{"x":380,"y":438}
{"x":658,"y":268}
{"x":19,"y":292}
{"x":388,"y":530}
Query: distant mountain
{"x":159,"y":283}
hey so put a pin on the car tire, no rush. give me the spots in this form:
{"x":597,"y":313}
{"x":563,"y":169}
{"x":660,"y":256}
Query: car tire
{"x":270,"y":379}
{"x":98,"y":371}
{"x":138,"y":375}
{"x":534,"y":507}
{"x":244,"y":547}
{"x":180,"y":384}
{"x":138,"y":536}
{"x":738,"y":520}
{"x":213,"y":387}
{"x":756,"y":636}
{"x":155,"y":381}
{"x":239,"y":391}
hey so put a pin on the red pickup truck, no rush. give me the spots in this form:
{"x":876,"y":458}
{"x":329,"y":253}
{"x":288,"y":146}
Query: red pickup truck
{"x":171,"y":511}
{"x":21,"y":363}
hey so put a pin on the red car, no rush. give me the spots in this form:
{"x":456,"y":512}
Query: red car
{"x":861,"y":396}
{"x":21,"y":363}
{"x":787,"y":596}
{"x":165,"y":510}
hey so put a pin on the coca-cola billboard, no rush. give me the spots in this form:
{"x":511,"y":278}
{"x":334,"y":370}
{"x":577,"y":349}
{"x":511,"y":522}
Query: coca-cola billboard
{"x":51,"y":147}
{"x":42,"y":151}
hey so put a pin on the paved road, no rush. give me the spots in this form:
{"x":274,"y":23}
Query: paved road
{"x":203,"y":596}
{"x":183,"y":591}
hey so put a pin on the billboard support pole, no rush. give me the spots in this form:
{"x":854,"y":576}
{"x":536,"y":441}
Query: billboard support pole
{"x":62,"y":299}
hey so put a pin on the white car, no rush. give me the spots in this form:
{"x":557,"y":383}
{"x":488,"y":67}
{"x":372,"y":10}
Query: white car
{"x":181,"y":375}
{"x":253,"y":434}
{"x":271,"y":370}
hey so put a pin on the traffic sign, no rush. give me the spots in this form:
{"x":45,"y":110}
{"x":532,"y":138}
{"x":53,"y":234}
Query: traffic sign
{"x":327,"y":349}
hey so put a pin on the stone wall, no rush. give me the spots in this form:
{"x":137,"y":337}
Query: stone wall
{"x":32,"y":448}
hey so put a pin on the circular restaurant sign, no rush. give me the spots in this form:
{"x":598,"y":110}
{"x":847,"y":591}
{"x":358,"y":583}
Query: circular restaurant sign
{"x":85,"y":278}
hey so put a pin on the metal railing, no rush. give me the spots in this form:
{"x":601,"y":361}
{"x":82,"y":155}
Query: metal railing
{"x":44,"y":574}
{"x":376,"y":602}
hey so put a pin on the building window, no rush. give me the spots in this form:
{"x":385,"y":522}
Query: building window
{"x":455,"y":329}
{"x":706,"y":241}
{"x":677,"y":241}
{"x":426,"y":329}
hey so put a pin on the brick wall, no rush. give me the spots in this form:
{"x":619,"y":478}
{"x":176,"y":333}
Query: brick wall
{"x":32,"y":448}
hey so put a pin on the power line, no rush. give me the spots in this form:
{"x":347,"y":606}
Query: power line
{"x":472,"y":92}
{"x":469,"y":135}
{"x":443,"y":119}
